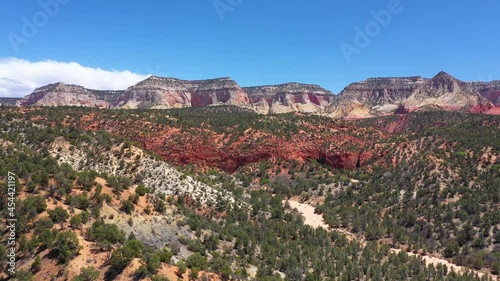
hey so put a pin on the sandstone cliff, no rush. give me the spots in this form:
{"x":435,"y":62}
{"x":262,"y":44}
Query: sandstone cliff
{"x":380,"y":96}
{"x":60,"y":94}
{"x":8,"y":101}
{"x":160,"y":93}
{"x":371,"y":97}
{"x":489,"y":90}
{"x":290,"y":97}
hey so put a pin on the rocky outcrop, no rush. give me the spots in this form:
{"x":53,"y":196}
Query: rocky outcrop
{"x":61,"y":94}
{"x":380,"y":96}
{"x":142,"y":168}
{"x":338,"y":146}
{"x":8,"y":101}
{"x":446,"y":92}
{"x":158,"y":92}
{"x":163,"y":93}
{"x":368,"y":98}
{"x":218,"y":91}
{"x":489,"y":90}
{"x":290,"y":97}
{"x":209,"y":152}
{"x":154,"y":92}
{"x":374,"y":96}
{"x":346,"y":160}
{"x":109,"y":96}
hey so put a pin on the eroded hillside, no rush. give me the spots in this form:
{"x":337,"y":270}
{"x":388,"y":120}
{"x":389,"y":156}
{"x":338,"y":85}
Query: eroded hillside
{"x":204,"y":189}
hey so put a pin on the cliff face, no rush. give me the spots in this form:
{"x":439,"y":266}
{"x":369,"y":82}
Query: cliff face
{"x":446,"y":92}
{"x":218,"y":91}
{"x":8,"y":101}
{"x":157,"y":92}
{"x":290,"y":97}
{"x":371,"y":97}
{"x":381,"y":96}
{"x":374,"y":96}
{"x":61,"y":94}
{"x":163,"y":93}
{"x":489,"y":90}
{"x":338,"y":146}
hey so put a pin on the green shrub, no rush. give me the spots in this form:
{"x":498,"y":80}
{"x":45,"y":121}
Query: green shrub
{"x":66,"y":246}
{"x":105,"y":234}
{"x":127,"y":206}
{"x":76,"y":221}
{"x":87,"y":274}
{"x":141,"y":190}
{"x":80,"y":201}
{"x":36,"y":265}
{"x":58,"y":215}
{"x":197,"y":261}
{"x":159,"y":278}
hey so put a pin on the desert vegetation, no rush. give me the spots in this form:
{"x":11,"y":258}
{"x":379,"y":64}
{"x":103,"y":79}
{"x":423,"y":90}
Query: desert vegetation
{"x":425,"y":183}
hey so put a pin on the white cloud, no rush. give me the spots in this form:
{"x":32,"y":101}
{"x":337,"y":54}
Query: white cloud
{"x":20,"y":77}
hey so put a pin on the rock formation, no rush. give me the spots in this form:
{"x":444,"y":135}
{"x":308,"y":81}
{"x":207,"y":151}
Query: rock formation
{"x":371,"y":97}
{"x":8,"y":101}
{"x":380,"y":96}
{"x":489,"y":90}
{"x":290,"y":97}
{"x":60,"y":94}
{"x":160,"y":93}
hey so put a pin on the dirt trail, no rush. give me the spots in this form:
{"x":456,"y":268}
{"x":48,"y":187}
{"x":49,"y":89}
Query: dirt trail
{"x":316,"y":220}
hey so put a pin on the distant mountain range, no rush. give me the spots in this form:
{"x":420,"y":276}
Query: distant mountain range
{"x":371,"y":97}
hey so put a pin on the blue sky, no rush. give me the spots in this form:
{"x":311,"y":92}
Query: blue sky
{"x":257,"y":41}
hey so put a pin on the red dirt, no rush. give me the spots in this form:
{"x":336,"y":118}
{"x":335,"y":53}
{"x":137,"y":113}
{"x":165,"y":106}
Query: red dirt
{"x":337,"y":146}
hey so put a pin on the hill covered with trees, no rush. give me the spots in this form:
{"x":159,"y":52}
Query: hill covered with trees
{"x":199,"y":193}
